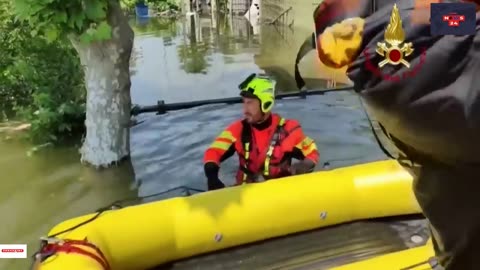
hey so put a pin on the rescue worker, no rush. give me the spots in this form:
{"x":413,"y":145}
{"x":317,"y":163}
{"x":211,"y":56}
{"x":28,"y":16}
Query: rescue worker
{"x":264,"y":141}
{"x":431,"y":112}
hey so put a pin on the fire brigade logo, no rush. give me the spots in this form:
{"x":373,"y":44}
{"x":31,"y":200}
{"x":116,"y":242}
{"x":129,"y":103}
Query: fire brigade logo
{"x":453,"y":19}
{"x":394,"y":49}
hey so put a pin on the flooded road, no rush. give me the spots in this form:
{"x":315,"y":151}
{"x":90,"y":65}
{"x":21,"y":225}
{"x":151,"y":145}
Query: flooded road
{"x":176,"y":62}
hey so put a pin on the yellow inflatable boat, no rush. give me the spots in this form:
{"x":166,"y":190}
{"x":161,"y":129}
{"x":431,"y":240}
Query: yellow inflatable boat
{"x":419,"y":258}
{"x":147,"y":235}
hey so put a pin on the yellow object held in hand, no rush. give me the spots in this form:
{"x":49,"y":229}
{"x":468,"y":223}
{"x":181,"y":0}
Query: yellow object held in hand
{"x":339,"y":44}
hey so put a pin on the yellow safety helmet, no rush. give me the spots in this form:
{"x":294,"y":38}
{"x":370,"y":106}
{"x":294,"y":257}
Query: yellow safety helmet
{"x":262,"y":88}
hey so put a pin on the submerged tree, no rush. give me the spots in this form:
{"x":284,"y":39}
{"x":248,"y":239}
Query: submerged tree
{"x":100,"y":33}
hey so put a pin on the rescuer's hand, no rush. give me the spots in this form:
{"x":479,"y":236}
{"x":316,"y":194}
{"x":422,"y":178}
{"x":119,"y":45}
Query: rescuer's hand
{"x":301,"y":167}
{"x":215,"y":184}
{"x":211,"y":172}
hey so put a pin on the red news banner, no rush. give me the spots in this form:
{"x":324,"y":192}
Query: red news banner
{"x":13,"y":251}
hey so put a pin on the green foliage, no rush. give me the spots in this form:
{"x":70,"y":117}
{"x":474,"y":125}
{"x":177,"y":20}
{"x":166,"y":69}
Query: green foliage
{"x":162,"y":5}
{"x":55,"y":18}
{"x":128,"y":5}
{"x":40,"y":82}
{"x":158,"y":5}
{"x":57,"y":106}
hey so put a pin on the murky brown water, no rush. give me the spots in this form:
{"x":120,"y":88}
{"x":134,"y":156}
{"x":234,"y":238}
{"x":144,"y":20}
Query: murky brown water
{"x":175,"y":61}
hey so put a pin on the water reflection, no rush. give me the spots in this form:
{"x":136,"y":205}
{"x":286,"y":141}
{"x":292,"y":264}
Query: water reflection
{"x":159,"y":27}
{"x":192,"y":52}
{"x":201,"y":57}
{"x":206,"y":56}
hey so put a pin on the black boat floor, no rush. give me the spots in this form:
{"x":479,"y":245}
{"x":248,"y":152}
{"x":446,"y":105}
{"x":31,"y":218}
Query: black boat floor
{"x":319,"y":249}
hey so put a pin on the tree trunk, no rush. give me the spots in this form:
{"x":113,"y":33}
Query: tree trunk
{"x":107,"y":77}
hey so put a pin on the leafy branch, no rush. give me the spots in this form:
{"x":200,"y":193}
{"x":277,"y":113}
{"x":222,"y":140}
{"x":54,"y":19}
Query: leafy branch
{"x":53,"y":18}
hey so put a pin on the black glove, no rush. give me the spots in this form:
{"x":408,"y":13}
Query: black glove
{"x":211,"y":172}
{"x":215,"y":184}
{"x":304,"y":166}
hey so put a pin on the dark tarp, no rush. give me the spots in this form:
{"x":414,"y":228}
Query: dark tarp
{"x":436,"y":112}
{"x":319,"y":249}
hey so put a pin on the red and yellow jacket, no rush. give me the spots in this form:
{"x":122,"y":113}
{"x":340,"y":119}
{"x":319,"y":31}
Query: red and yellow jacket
{"x":264,"y":150}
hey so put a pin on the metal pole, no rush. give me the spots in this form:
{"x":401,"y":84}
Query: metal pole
{"x":162,"y":108}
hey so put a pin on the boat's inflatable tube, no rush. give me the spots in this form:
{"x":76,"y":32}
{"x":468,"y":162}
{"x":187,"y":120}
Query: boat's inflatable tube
{"x":144,"y":236}
{"x":419,"y":258}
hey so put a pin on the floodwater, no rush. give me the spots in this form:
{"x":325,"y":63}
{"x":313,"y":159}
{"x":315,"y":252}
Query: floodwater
{"x":178,"y":61}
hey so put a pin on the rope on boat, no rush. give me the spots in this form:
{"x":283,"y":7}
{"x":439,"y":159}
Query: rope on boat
{"x":118,"y":205}
{"x":432,"y":262}
{"x":51,"y":245}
